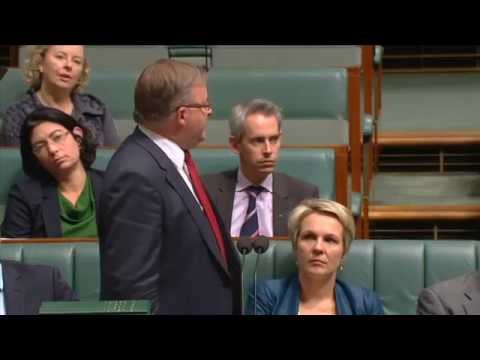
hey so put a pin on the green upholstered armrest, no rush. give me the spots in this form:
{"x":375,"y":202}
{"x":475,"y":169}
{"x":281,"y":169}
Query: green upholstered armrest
{"x":113,"y":307}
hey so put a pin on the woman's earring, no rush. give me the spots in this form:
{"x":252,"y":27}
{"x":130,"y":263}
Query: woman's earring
{"x":341,"y":266}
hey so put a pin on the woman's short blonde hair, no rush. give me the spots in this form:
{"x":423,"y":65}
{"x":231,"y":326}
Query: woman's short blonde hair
{"x":33,"y":76}
{"x":322,"y":207}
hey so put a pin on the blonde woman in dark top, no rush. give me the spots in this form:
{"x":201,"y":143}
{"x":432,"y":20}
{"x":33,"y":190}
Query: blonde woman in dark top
{"x":58,"y":198}
{"x":56,"y":75}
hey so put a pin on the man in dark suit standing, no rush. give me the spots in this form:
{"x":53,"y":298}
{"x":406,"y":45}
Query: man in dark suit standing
{"x":458,"y":296}
{"x":24,"y":287}
{"x":253,"y":199}
{"x":160,"y":237}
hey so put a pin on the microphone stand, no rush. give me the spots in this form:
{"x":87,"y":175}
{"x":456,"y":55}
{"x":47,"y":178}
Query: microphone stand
{"x":244,"y":246}
{"x":260,"y":246}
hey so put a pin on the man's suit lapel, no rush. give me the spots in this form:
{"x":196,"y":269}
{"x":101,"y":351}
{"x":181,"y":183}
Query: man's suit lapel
{"x":224,"y":196}
{"x":471,"y":306}
{"x":51,"y":211}
{"x":280,"y":205}
{"x":178,"y":184}
{"x":13,"y":289}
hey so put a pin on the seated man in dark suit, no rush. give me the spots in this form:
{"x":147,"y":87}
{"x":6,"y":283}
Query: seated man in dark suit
{"x":24,"y":287}
{"x":253,"y":199}
{"x":458,"y":296}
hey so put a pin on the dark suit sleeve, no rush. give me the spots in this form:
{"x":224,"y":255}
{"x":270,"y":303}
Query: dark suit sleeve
{"x":18,"y":221}
{"x":131,"y":232}
{"x":61,"y":290}
{"x":265,"y":300}
{"x":429,"y":303}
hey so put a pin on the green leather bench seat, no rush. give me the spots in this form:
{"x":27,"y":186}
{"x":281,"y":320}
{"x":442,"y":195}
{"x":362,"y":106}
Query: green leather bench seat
{"x":11,"y":171}
{"x":12,"y":88}
{"x":78,"y":262}
{"x":316,"y":166}
{"x":305,"y":95}
{"x":396,"y":270}
{"x":245,"y":57}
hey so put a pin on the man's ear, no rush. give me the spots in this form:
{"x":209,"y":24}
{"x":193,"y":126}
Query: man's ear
{"x":180,"y":117}
{"x":78,"y":132}
{"x":234,"y":143}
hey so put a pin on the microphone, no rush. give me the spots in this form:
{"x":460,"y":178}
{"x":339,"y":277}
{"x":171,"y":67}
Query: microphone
{"x":260,"y":246}
{"x":244,"y":246}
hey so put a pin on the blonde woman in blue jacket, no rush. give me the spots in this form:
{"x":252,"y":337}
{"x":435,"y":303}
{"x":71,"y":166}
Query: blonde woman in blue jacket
{"x":321,"y":232}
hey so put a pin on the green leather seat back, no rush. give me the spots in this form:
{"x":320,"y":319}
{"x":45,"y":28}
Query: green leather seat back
{"x":444,"y":260}
{"x":77,"y":262}
{"x":11,"y":171}
{"x":245,"y":57}
{"x":116,"y":90}
{"x":11,"y":165}
{"x":102,"y":159}
{"x":314,"y":101}
{"x":397,"y":270}
{"x":316,"y":166}
{"x":399,"y":274}
{"x":12,"y":88}
{"x":302,"y":94}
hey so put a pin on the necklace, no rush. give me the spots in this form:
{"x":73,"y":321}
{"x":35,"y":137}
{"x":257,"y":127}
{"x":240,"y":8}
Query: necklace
{"x":68,"y":109}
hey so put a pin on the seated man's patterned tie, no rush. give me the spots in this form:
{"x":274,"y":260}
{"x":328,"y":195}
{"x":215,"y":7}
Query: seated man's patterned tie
{"x":250,"y":226}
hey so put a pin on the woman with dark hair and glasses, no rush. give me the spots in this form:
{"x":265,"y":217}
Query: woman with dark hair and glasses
{"x":58,"y":199}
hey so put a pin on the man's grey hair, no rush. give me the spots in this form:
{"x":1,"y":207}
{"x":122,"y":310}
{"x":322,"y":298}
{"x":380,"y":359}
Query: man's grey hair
{"x":240,"y":113}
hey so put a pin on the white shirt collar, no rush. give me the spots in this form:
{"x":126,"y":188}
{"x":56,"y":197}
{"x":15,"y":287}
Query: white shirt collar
{"x":174,"y":152}
{"x":243,"y":182}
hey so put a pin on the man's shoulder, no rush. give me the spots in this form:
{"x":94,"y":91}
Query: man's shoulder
{"x":455,"y":285}
{"x":88,"y":103}
{"x":28,"y":269}
{"x":28,"y":186}
{"x":276,"y":286}
{"x":294,"y":182}
{"x":132,"y":156}
{"x":224,"y":175}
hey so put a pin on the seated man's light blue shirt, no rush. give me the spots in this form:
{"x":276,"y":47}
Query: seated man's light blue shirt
{"x":2,"y":297}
